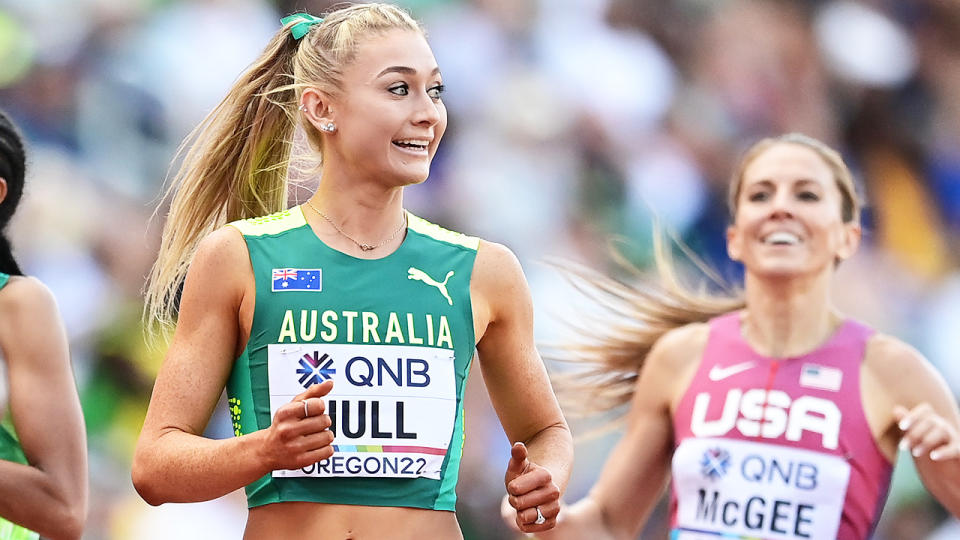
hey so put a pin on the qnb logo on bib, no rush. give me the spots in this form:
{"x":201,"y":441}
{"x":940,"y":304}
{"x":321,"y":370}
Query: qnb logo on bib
{"x":759,"y":413}
{"x":392,"y":408}
{"x":715,"y":463}
{"x":766,"y":491}
{"x":314,"y":370}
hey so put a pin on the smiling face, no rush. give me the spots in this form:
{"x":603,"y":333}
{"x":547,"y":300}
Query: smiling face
{"x":789,"y":218}
{"x":389,"y":114}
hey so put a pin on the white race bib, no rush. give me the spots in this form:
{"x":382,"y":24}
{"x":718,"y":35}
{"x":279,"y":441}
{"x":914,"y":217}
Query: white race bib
{"x":393,"y":407}
{"x":746,"y":489}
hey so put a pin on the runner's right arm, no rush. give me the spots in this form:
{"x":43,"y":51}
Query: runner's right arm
{"x":637,"y":471}
{"x":173,"y":462}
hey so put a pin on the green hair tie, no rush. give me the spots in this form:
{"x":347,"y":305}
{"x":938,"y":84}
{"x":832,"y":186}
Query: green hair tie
{"x":304,"y":21}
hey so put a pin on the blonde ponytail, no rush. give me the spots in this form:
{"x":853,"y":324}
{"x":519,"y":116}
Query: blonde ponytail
{"x":235,"y":162}
{"x":234,"y":167}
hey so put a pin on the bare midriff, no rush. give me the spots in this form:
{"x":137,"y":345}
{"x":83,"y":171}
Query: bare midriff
{"x":347,"y":522}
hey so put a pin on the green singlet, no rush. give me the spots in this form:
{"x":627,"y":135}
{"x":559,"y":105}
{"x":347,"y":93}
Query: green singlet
{"x":394,"y":334}
{"x":10,"y":450}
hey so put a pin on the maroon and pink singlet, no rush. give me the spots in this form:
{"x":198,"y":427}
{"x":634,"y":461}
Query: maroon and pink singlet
{"x":776,"y":448}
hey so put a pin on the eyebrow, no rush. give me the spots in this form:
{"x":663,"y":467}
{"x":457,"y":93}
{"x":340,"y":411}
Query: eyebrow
{"x":806,"y":181}
{"x":766,"y":182}
{"x":405,"y":70}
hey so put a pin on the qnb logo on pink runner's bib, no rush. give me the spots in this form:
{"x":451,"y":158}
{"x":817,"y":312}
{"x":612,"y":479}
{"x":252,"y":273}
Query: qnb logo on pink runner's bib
{"x":756,"y":490}
{"x":759,"y":413}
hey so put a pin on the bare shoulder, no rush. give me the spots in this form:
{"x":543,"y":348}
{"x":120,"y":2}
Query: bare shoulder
{"x":496,"y":264}
{"x":224,"y":243}
{"x":886,"y":354}
{"x":220,"y":268}
{"x":892,"y":363}
{"x":23,"y":291}
{"x":222,"y":256}
{"x":680,"y":347}
{"x":26,"y":297}
{"x":498,"y":285}
{"x":672,"y":363}
{"x":30,"y":318}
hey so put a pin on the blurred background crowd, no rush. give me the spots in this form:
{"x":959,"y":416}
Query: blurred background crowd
{"x":573,"y":123}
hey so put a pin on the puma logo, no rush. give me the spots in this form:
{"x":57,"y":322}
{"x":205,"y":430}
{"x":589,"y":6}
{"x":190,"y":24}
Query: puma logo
{"x":420,"y":275}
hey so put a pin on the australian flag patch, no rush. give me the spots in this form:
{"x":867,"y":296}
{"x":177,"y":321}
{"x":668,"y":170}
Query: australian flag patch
{"x":296,"y":279}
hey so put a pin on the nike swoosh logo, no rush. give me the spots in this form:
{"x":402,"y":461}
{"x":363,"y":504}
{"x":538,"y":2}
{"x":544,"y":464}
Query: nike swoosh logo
{"x":718,"y":373}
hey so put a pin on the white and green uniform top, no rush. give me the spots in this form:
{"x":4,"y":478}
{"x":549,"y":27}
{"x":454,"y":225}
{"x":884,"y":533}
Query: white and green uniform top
{"x":10,"y":450}
{"x":396,"y":337}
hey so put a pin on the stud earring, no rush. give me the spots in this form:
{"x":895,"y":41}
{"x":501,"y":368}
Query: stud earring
{"x":303,"y":108}
{"x":329,"y":128}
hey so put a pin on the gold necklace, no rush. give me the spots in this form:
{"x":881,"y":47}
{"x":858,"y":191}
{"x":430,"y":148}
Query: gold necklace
{"x":361,"y":245}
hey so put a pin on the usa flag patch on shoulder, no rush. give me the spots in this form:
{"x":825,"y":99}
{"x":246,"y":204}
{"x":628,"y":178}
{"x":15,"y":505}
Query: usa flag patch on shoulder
{"x":297,"y":279}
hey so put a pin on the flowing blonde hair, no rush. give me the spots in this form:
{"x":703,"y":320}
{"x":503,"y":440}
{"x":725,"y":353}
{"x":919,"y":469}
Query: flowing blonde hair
{"x":235,"y":161}
{"x":610,"y":350}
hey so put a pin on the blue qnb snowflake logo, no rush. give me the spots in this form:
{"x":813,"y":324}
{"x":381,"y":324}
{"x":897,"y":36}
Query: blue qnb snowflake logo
{"x":314,"y":370}
{"x":715,"y":463}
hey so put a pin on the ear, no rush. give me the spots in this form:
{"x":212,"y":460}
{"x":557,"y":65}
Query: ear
{"x":3,"y":189}
{"x":734,"y":243}
{"x":315,"y":107}
{"x":852,"y":233}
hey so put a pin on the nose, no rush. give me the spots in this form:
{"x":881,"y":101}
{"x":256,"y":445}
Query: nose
{"x":428,"y":112}
{"x":781,"y":205}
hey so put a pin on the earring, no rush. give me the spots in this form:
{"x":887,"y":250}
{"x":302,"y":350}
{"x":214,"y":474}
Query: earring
{"x":303,"y":108}
{"x":329,"y":128}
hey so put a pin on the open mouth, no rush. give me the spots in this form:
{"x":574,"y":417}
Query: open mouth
{"x":412,"y":145}
{"x":781,"y":238}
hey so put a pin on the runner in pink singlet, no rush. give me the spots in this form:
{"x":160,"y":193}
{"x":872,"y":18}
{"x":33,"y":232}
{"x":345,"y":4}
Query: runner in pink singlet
{"x":804,"y":466}
{"x":769,"y":415}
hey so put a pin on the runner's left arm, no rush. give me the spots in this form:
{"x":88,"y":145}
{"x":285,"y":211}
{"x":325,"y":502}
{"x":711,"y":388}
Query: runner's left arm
{"x":519,"y":388}
{"x":929,"y":420}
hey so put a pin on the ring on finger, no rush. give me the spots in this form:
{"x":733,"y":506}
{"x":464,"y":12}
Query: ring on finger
{"x":306,"y":411}
{"x":540,"y":519}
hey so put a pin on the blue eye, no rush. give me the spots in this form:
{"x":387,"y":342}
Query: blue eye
{"x":436,"y":91}
{"x":400,"y":89}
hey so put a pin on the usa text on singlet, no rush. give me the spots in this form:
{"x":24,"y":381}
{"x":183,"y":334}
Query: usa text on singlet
{"x":776,"y":448}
